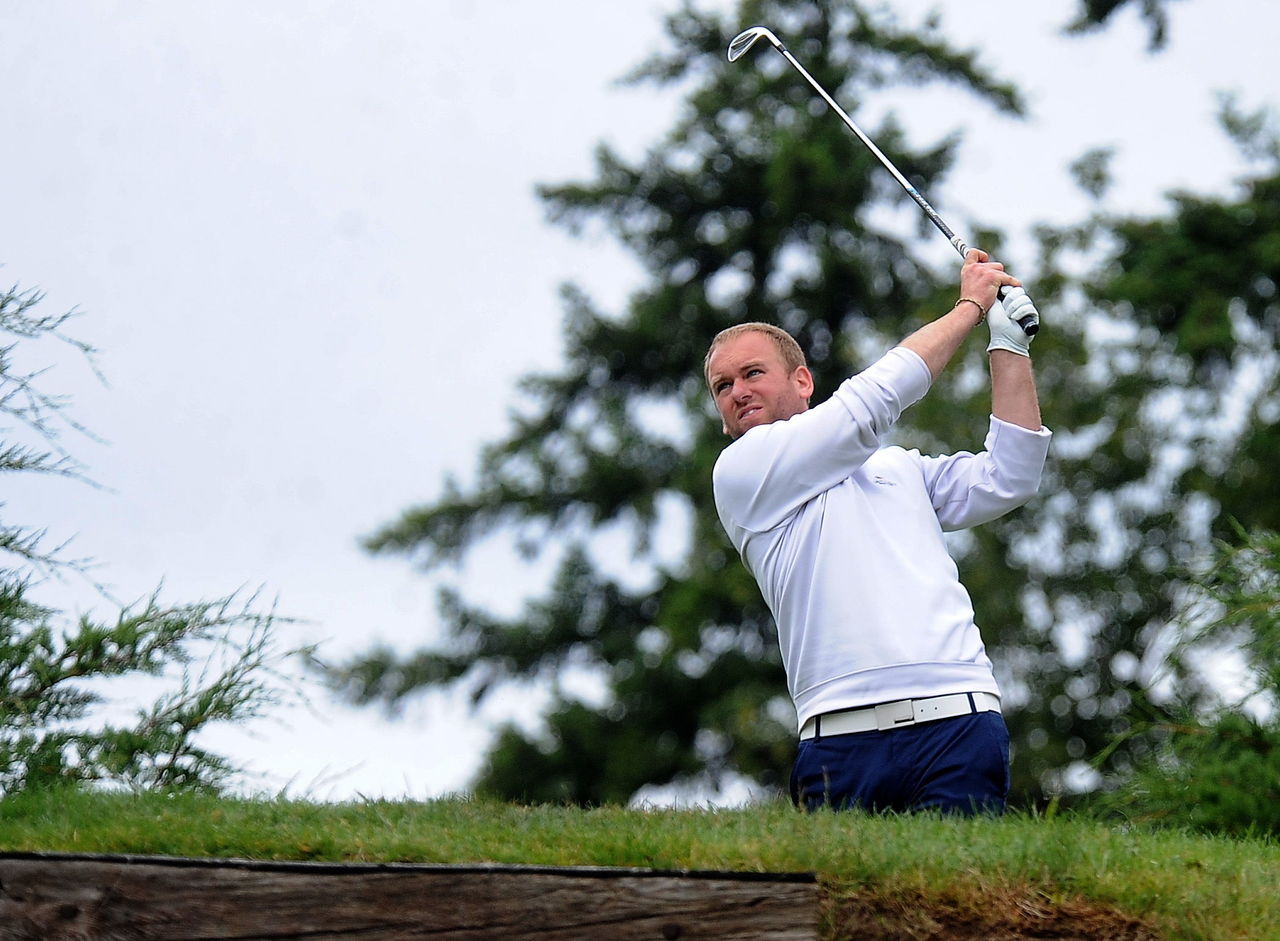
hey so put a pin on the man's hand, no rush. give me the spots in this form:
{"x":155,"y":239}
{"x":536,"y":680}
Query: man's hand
{"x":1003,"y":321}
{"x":981,"y":278}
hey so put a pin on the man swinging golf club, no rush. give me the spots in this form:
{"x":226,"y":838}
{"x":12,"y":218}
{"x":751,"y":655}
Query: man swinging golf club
{"x":897,"y":704}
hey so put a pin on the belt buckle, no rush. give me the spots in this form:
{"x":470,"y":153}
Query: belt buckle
{"x":892,"y":715}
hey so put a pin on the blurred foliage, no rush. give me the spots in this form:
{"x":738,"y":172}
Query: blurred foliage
{"x":213,"y":661}
{"x":1217,"y":766}
{"x":1094,"y":14}
{"x":1167,"y":416}
{"x":1156,"y":370}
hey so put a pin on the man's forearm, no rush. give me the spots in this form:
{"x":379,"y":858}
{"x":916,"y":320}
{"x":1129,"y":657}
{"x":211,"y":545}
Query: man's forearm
{"x":937,"y":342}
{"x":1013,"y":390}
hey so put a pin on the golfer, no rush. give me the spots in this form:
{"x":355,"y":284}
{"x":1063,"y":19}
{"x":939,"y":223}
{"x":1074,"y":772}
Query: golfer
{"x":897,"y":704}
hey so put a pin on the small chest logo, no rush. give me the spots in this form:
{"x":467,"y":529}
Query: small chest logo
{"x":881,"y":481}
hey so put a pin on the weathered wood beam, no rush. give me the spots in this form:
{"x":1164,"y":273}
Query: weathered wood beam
{"x":59,"y":897}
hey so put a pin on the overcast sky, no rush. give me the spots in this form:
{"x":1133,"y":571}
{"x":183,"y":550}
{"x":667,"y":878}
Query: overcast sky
{"x":305,"y":238}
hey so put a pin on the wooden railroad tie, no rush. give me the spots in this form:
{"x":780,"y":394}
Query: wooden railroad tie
{"x":61,"y":897}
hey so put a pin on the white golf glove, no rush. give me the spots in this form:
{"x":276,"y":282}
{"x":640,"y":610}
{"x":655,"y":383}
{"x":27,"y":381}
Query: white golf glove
{"x":1003,"y":321}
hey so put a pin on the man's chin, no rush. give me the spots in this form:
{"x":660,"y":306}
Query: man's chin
{"x":747,"y":422}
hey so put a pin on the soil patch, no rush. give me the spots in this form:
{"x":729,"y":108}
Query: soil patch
{"x":1012,"y":915}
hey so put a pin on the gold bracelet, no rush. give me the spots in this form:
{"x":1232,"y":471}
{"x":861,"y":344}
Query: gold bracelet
{"x":982,"y":311}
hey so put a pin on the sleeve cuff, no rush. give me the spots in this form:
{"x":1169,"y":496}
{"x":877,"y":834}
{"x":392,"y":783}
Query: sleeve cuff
{"x":1005,"y":427}
{"x":911,"y":377}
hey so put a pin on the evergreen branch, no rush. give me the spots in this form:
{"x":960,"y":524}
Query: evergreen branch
{"x":51,"y":682}
{"x":1094,"y":15}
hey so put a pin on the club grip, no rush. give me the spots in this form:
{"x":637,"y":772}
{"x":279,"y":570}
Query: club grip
{"x":1030,"y":321}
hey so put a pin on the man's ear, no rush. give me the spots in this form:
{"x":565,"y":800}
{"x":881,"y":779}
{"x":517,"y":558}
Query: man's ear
{"x":804,"y":381}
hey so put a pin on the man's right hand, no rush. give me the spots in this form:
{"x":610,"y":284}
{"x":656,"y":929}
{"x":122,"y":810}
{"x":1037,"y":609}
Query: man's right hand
{"x":981,"y":278}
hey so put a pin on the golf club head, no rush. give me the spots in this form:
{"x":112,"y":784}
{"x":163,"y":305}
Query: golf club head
{"x":747,"y":38}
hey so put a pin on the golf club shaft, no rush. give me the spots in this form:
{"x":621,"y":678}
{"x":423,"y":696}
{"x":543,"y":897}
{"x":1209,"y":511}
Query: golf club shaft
{"x":1030,"y":323}
{"x":929,"y":211}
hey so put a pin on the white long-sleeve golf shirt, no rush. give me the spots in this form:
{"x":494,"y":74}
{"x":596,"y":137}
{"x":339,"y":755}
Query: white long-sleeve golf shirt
{"x":844,"y":538}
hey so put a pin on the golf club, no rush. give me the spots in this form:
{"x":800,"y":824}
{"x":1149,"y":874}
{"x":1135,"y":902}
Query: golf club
{"x":1029,"y":323}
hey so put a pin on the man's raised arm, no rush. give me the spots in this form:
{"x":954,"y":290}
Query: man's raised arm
{"x":980,"y":280}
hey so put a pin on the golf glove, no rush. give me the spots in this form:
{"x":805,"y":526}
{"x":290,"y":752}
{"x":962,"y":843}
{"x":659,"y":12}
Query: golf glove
{"x":1003,"y":321}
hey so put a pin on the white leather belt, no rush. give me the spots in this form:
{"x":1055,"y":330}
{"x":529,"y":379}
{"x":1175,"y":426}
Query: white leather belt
{"x":897,"y":715}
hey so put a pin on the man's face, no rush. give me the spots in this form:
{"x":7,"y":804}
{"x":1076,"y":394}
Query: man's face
{"x":751,"y":385}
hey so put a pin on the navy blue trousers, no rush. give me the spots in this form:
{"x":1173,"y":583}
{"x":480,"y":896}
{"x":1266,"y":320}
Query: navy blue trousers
{"x":957,"y":766}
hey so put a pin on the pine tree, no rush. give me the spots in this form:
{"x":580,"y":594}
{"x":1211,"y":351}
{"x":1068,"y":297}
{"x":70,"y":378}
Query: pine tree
{"x":759,"y":206}
{"x":756,"y":206}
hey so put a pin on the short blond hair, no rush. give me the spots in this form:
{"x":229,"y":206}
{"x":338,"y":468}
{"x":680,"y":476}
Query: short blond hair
{"x":788,"y":348}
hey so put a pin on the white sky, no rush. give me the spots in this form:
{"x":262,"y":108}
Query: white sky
{"x":305,"y":238}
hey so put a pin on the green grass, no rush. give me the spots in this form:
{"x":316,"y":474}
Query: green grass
{"x":1182,"y":885}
